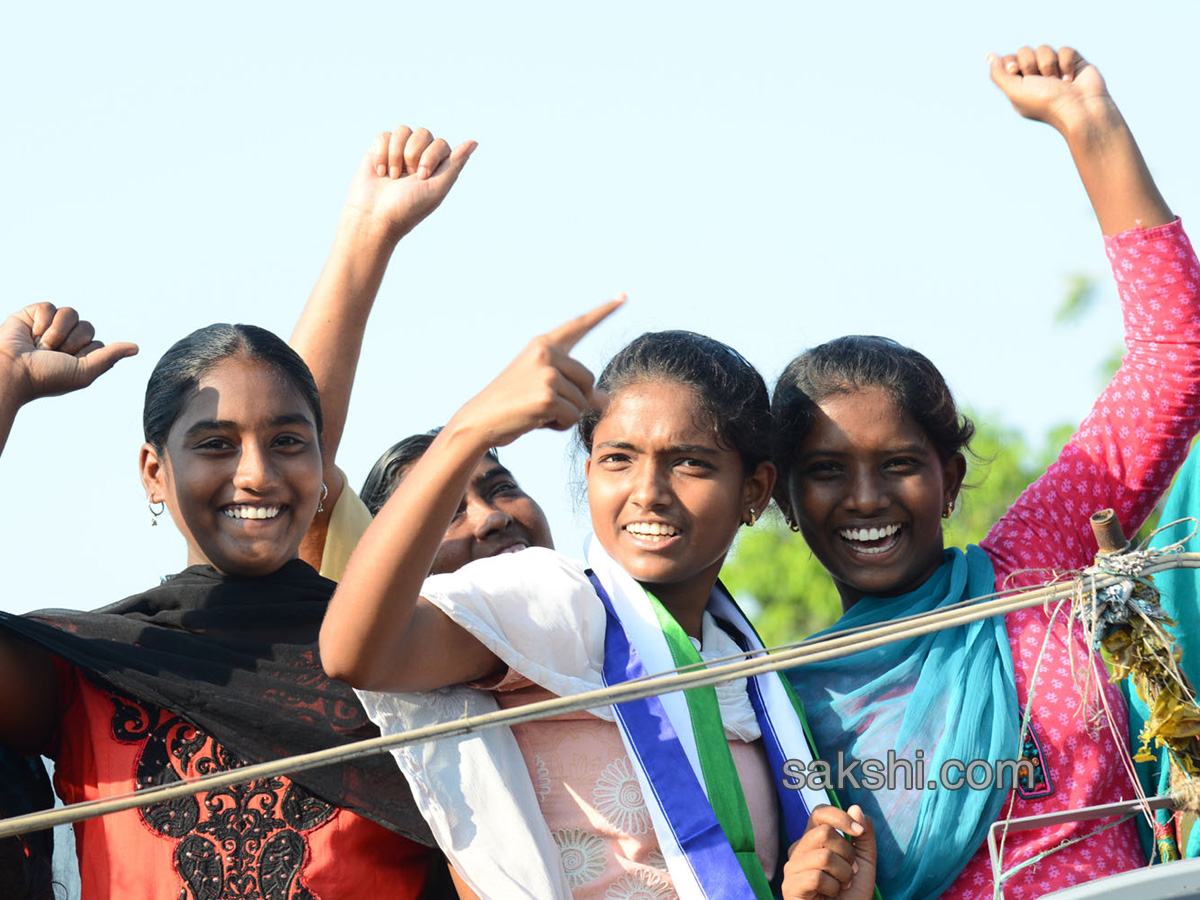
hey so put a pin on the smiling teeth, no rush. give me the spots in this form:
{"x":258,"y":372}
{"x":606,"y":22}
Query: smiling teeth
{"x":251,"y":512}
{"x":869,"y":534}
{"x":653,"y":531}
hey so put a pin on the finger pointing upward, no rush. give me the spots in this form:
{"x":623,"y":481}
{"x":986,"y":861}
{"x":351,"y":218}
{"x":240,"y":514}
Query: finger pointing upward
{"x":567,"y":335}
{"x":580,"y":383}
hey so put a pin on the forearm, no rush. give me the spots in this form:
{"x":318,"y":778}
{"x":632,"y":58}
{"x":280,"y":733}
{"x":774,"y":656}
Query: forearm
{"x":1113,"y":171}
{"x":329,"y":338}
{"x":379,"y":211}
{"x":330,"y":331}
{"x":8,"y":415}
{"x":1137,"y":433}
{"x":377,"y":634}
{"x":14,"y":393}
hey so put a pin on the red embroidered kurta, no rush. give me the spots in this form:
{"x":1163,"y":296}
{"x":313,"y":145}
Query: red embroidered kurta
{"x":268,"y":840}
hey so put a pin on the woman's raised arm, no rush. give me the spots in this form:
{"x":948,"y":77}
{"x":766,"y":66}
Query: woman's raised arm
{"x":402,"y":178}
{"x":1064,"y":90}
{"x":44,"y":351}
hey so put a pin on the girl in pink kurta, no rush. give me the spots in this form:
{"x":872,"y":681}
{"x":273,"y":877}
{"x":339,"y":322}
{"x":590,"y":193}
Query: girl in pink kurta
{"x":870,"y":461}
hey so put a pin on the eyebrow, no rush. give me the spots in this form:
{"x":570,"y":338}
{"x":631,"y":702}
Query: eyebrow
{"x":490,"y":474}
{"x":229,"y":424}
{"x":695,"y":449}
{"x":912,"y":449}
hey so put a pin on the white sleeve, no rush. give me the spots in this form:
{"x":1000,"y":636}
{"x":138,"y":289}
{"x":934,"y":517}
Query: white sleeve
{"x":536,"y":610}
{"x":475,"y":793}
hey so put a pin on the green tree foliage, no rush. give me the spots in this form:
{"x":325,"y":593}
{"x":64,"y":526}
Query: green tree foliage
{"x":786,"y":591}
{"x":1081,"y":297}
{"x":1078,"y":300}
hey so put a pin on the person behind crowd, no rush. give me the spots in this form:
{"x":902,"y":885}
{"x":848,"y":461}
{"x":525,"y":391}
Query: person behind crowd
{"x":393,"y":464}
{"x":494,"y":515}
{"x":870,"y":447}
{"x":677,"y":462}
{"x":217,"y":667}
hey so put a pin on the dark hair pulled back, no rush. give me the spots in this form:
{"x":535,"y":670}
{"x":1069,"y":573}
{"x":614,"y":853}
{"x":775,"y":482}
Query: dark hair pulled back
{"x":853,"y":363}
{"x":731,"y":391}
{"x":394,"y":464}
{"x":176,"y":376}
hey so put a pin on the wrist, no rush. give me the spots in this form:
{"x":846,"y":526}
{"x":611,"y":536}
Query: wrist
{"x":464,"y":438}
{"x":364,"y":230}
{"x":9,"y":407}
{"x":16,"y":390}
{"x":1090,"y":125}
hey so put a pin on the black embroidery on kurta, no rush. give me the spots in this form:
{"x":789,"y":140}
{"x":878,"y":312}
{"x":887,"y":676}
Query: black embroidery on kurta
{"x":243,"y":841}
{"x":1039,"y":784}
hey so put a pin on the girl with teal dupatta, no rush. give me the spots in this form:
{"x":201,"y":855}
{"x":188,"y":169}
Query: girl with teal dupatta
{"x":870,"y":455}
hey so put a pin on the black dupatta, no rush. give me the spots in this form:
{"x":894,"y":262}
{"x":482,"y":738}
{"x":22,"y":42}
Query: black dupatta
{"x":237,"y":657}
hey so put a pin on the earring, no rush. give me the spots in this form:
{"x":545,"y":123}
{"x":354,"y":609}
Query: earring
{"x":794,"y":526}
{"x":324,"y":494}
{"x":949,"y":509}
{"x":156,"y":512}
{"x":751,"y":518}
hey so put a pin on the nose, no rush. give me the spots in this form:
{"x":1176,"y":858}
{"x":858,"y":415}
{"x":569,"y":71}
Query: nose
{"x":489,"y":520}
{"x":255,"y":469}
{"x":867,"y":494}
{"x":650,"y":487}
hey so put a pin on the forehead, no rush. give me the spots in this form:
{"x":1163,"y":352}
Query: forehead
{"x":489,"y":468}
{"x":867,"y":417}
{"x":656,"y":412}
{"x":243,"y":391}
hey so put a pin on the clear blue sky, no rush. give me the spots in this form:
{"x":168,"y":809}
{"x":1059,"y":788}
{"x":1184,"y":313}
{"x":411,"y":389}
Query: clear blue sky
{"x":771,"y":173}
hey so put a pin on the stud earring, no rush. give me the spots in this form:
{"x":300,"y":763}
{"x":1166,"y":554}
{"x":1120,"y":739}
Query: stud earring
{"x":155,"y":513}
{"x":324,"y":494}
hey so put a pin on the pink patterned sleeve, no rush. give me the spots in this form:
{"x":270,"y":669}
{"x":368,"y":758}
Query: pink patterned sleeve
{"x":1126,"y":451}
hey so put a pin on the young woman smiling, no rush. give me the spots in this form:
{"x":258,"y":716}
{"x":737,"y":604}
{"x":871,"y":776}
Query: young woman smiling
{"x":218,"y":666}
{"x":608,"y":803}
{"x":870,"y":452}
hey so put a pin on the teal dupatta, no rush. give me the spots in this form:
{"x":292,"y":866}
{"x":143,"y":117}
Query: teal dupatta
{"x":950,"y":695}
{"x":1179,"y":592}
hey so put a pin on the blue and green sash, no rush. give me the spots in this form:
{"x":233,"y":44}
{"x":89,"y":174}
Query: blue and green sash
{"x":678,"y":745}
